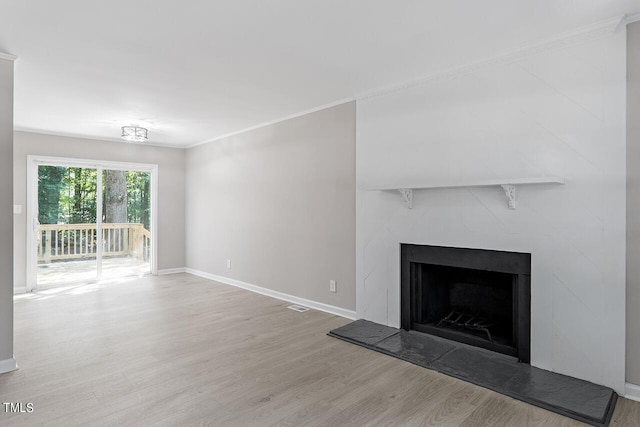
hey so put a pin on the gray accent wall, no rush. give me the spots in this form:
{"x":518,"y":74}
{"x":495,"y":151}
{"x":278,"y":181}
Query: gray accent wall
{"x":171,"y":201}
{"x":279,"y":203}
{"x":6,"y":209}
{"x":633,"y":203}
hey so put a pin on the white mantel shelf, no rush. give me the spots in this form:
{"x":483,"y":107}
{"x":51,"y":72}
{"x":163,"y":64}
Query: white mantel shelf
{"x":508,"y":185}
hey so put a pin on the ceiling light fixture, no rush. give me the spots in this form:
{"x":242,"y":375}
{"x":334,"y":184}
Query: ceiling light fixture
{"x":134,"y":133}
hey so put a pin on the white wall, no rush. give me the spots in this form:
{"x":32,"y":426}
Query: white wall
{"x":279,"y":202}
{"x":170,"y":163}
{"x":6,"y":215}
{"x":555,"y":111}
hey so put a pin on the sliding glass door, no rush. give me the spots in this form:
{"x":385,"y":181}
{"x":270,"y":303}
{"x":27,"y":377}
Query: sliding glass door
{"x":67,"y":240}
{"x":126,"y":227}
{"x":90,"y":222}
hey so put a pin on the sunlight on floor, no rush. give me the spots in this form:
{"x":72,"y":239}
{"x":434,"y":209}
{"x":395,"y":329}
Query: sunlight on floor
{"x":64,"y":272}
{"x":79,"y":289}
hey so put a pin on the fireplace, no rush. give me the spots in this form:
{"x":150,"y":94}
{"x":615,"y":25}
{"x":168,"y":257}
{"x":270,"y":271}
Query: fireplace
{"x":474,"y":296}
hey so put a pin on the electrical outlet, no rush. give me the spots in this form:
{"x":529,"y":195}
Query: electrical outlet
{"x":332,"y":286}
{"x":228,"y":263}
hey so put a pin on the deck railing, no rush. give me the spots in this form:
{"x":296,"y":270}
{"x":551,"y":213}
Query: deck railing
{"x":79,"y":241}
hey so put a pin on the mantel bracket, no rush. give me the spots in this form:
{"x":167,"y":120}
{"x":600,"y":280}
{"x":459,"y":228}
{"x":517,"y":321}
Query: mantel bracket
{"x":510,"y":192}
{"x":507,"y":185}
{"x":407,"y":195}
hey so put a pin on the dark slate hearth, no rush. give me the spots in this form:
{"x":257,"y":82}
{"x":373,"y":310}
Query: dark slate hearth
{"x":585,"y":399}
{"x":415,"y":347}
{"x":364,"y":332}
{"x":578,"y":399}
{"x":479,"y":366}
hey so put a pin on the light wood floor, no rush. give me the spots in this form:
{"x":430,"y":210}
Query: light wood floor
{"x":180,"y":350}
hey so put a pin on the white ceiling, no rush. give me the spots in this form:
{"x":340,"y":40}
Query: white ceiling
{"x":195,"y":70}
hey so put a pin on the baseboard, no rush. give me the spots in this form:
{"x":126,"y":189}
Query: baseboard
{"x":338,"y":311}
{"x":8,"y":365}
{"x":20,"y":290}
{"x":171,"y":271}
{"x":632,"y":391}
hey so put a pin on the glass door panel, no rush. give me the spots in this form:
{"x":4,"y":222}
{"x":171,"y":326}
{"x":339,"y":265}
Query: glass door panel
{"x":126,"y":227}
{"x":67,"y":230}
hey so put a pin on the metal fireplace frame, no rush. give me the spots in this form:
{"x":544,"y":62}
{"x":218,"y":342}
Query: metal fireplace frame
{"x":517,"y":264}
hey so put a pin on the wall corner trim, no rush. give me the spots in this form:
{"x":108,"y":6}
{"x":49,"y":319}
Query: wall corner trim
{"x":632,"y":392}
{"x":338,"y":311}
{"x":167,"y":271}
{"x":8,"y":365}
{"x":20,"y":290}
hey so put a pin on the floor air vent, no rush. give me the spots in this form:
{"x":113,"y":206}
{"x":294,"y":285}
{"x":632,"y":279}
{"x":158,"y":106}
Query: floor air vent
{"x":298,"y":308}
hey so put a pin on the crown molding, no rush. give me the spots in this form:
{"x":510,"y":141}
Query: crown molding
{"x":185,"y":147}
{"x":273,"y":122}
{"x":8,"y":56}
{"x":93,"y":138}
{"x":567,"y":39}
{"x":631,"y":18}
{"x":574,"y":37}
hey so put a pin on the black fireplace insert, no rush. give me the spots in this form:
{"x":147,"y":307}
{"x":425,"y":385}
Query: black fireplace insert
{"x":474,"y":296}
